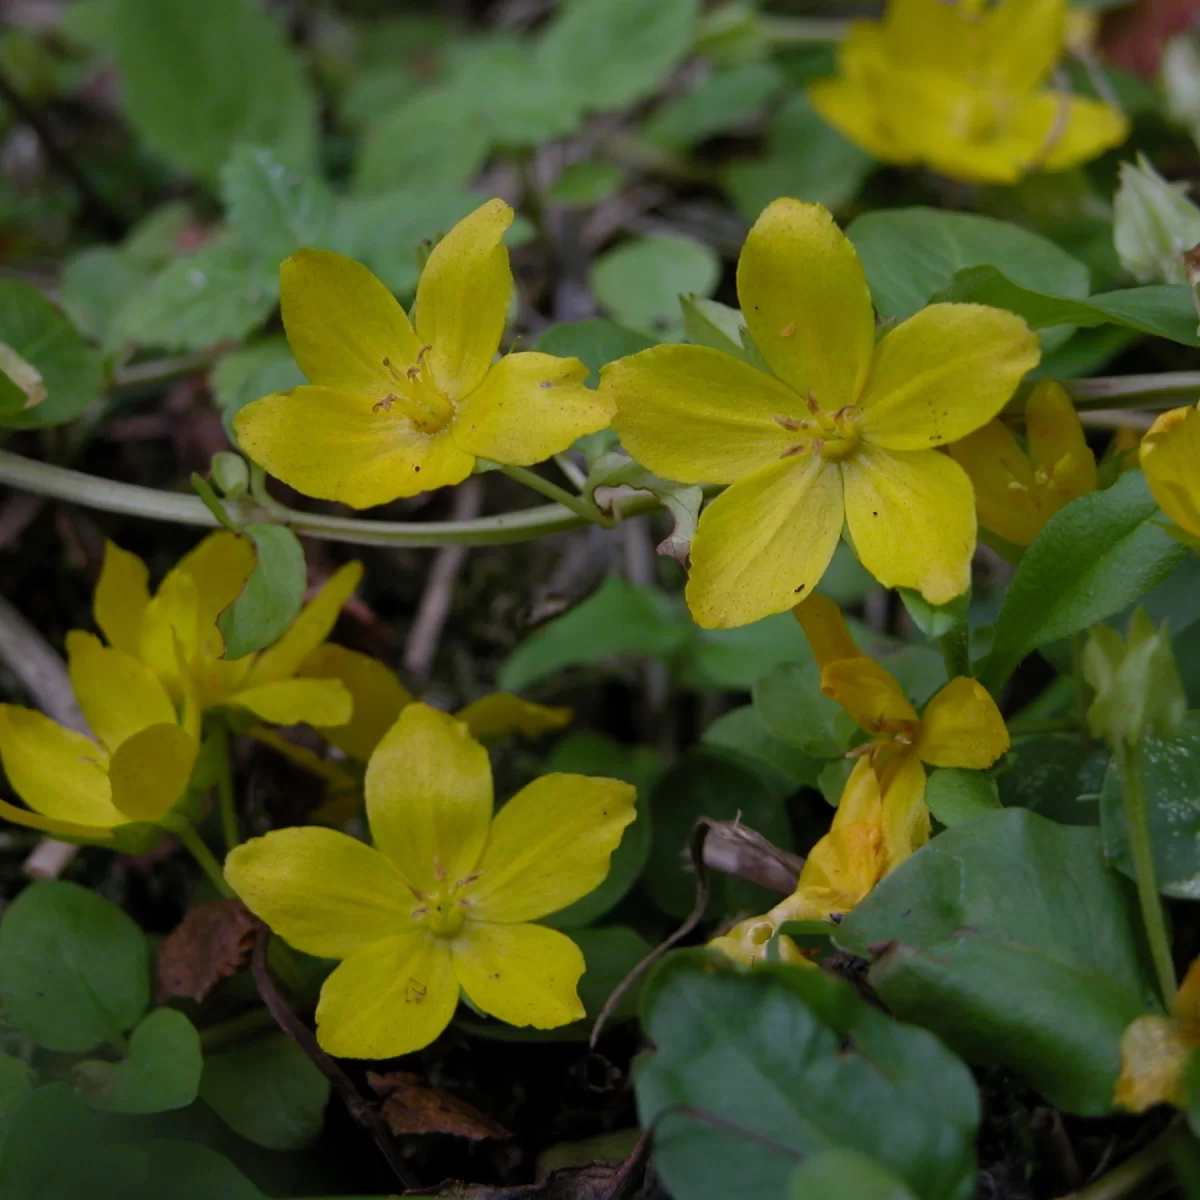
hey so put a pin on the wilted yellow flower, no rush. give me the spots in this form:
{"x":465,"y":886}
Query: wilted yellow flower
{"x":844,"y":431}
{"x":1018,"y":490}
{"x":962,"y":88}
{"x":174,"y":633}
{"x":394,"y":410}
{"x":1154,"y":1051}
{"x":444,"y":901}
{"x":1170,"y":457}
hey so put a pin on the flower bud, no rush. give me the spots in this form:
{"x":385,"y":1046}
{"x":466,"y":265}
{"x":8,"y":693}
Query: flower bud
{"x":230,"y":473}
{"x":1154,"y":225}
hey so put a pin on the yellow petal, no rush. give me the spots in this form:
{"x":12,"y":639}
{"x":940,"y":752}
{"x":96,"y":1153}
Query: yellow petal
{"x":336,"y":445}
{"x":962,"y":727}
{"x":377,"y":697}
{"x":1058,"y":446}
{"x":905,"y":813}
{"x":1153,"y":1052}
{"x":389,"y":998}
{"x":933,"y":35}
{"x":322,"y":891}
{"x":943,"y":373}
{"x":462,"y":299}
{"x":1023,"y":41}
{"x":342,"y":322}
{"x":550,"y":845}
{"x":528,"y":407}
{"x":56,"y":771}
{"x":867,"y":691}
{"x":861,"y":802}
{"x":121,"y":597}
{"x":1002,"y":476}
{"x":697,"y":415}
{"x":1187,"y":1000}
{"x":823,"y":624}
{"x":316,"y":702}
{"x":765,"y":542}
{"x":912,"y":519}
{"x":220,"y":566}
{"x":1169,"y":455}
{"x":170,"y":630}
{"x":522,"y":974}
{"x":429,"y":797}
{"x":806,"y":302}
{"x":61,"y":829}
{"x":149,"y":771}
{"x":309,"y":629}
{"x":501,"y":714}
{"x":118,"y":694}
{"x":1079,"y":129}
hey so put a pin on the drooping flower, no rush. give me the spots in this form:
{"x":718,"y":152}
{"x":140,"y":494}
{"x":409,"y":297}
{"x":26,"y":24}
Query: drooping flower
{"x":1155,"y":1050}
{"x":1170,"y":457}
{"x":175,"y":634}
{"x":843,"y":432}
{"x":1017,"y":490}
{"x":882,"y":817}
{"x":393,"y":408}
{"x":444,"y":901}
{"x":962,"y":88}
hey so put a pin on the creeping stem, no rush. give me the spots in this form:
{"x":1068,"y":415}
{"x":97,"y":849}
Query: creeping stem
{"x":185,"y":831}
{"x":1137,"y":823}
{"x":225,"y":794}
{"x":577,"y":504}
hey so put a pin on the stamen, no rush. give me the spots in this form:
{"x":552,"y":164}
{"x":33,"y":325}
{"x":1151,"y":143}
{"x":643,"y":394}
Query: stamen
{"x":439,"y":872}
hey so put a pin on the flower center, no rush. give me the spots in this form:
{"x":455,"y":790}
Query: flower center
{"x":417,"y":396}
{"x":833,"y":436}
{"x":445,"y":908}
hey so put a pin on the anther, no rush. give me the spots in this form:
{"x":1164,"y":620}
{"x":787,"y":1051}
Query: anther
{"x":386,"y":403}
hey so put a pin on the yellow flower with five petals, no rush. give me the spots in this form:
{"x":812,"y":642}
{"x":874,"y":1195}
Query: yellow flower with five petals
{"x":843,"y":432}
{"x":1018,"y":490}
{"x":1170,"y":457}
{"x":444,"y":902}
{"x":395,"y":407}
{"x":961,"y":87}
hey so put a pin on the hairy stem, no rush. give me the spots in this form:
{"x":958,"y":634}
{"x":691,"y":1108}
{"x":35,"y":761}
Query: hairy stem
{"x":577,"y":504}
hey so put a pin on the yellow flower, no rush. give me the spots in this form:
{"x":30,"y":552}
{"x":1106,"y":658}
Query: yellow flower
{"x":843,"y":432}
{"x":395,"y":410}
{"x":1154,"y":1051}
{"x":444,"y":902}
{"x":174,"y":633}
{"x":1170,"y":457}
{"x":881,"y":818}
{"x":1017,"y":491}
{"x":962,"y":89}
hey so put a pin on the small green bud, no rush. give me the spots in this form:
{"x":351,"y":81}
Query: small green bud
{"x":1137,"y":687}
{"x":1154,"y":225}
{"x":230,"y":473}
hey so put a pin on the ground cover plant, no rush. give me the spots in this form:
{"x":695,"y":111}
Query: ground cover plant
{"x":601,"y":599}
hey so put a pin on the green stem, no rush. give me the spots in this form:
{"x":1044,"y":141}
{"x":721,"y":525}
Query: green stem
{"x":1135,"y":391}
{"x":61,"y":483}
{"x":185,"y":831}
{"x":159,"y":370}
{"x":1137,"y":822}
{"x":226,"y":798}
{"x":793,"y":30}
{"x":577,"y":504}
{"x":956,"y":651}
{"x":1129,"y":1178}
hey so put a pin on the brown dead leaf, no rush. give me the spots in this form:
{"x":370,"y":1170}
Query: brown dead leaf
{"x":593,"y":1182}
{"x":411,"y":1107}
{"x":210,"y":944}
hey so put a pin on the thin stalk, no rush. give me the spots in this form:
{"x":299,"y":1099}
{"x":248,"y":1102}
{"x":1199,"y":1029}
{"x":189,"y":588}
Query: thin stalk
{"x":1130,"y":1177}
{"x":158,"y":370}
{"x":1137,"y":823}
{"x":226,"y":799}
{"x":956,"y":651}
{"x":577,"y":504}
{"x":185,"y":831}
{"x":798,"y":30}
{"x":1163,"y":390}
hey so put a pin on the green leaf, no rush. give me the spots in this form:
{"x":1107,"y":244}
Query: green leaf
{"x":610,"y":474}
{"x":619,"y":618}
{"x":613,"y":53}
{"x":74,"y":969}
{"x":251,"y":373}
{"x":273,"y":595}
{"x":71,"y":371}
{"x":728,"y":97}
{"x":222,"y":291}
{"x":268,"y":1091}
{"x":724,"y":659}
{"x":707,"y":782}
{"x":1015,"y":944}
{"x":272,"y":208}
{"x":910,"y":254}
{"x":932,"y":620}
{"x":710,"y":323}
{"x":1055,"y":774}
{"x":805,"y":158}
{"x":845,"y":1175}
{"x":596,"y":342}
{"x":587,"y":753}
{"x":742,"y":730}
{"x":789,"y":701}
{"x":199,"y":80}
{"x":16,"y":1083}
{"x":1164,"y":310}
{"x":1173,"y":799}
{"x":955,"y":794}
{"x":640,"y":282}
{"x":186,"y":1171}
{"x":1094,"y":557}
{"x":795,"y":1056}
{"x":584,"y":184}
{"x":96,"y":283}
{"x":161,"y":1070}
